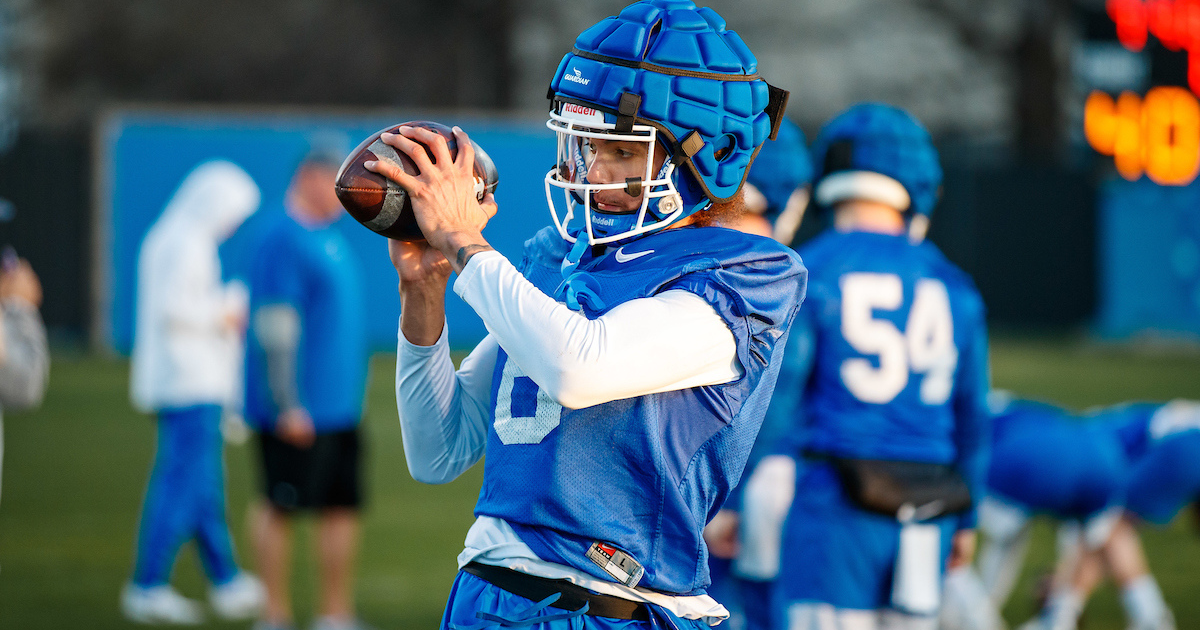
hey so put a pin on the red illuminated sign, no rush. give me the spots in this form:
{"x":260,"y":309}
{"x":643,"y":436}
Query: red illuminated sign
{"x":1176,"y":23}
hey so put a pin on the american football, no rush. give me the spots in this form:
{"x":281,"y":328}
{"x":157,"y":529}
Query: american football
{"x":381,"y":204}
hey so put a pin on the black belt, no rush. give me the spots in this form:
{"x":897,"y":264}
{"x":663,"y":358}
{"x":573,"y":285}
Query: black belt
{"x":573,"y":596}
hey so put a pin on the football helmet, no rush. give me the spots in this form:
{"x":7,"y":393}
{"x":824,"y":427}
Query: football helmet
{"x":665,"y":80}
{"x":778,"y":182}
{"x":881,"y":153}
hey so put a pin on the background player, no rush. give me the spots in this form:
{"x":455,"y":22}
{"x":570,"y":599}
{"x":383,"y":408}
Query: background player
{"x":777,"y":187}
{"x":1082,"y":469}
{"x":631,"y":359}
{"x":894,"y":392}
{"x":186,"y":352}
{"x":306,"y":370}
{"x":1162,"y":446}
{"x":777,"y":193}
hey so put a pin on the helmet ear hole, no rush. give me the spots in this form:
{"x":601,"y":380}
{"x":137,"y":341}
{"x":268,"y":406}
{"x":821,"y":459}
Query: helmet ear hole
{"x":652,"y":37}
{"x":723,"y":147}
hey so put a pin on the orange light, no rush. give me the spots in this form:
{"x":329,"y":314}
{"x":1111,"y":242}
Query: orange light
{"x":1171,"y":120}
{"x":1158,"y":136}
{"x":1127,"y":150}
{"x":1100,"y":122}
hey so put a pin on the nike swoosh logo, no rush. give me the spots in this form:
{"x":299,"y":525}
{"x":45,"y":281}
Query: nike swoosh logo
{"x":622,"y":257}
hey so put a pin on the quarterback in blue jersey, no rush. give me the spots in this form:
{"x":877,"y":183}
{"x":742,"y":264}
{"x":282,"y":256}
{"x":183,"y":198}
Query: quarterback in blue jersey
{"x":893,"y":385}
{"x":632,"y":353}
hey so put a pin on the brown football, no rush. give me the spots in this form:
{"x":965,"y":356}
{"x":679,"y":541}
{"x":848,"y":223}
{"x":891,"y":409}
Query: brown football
{"x":381,"y":204}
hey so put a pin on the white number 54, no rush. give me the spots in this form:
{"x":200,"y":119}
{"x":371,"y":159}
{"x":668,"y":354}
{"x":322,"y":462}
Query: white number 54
{"x":925,"y":346}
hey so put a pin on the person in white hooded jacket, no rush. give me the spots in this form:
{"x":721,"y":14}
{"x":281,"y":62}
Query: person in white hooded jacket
{"x":185,"y":368}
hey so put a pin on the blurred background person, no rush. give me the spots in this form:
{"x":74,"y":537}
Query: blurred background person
{"x":306,"y":372}
{"x":1101,"y":474}
{"x":24,"y":355}
{"x":742,"y":564}
{"x":892,"y":390}
{"x":186,"y":353}
{"x":1044,"y":460}
{"x":778,"y":186}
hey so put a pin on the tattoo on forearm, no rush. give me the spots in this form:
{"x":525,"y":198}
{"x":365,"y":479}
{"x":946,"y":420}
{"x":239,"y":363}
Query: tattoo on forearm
{"x":467,"y":251}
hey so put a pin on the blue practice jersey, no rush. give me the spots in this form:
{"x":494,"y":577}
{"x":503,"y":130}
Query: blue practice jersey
{"x":1129,"y":424}
{"x":893,"y":355}
{"x":1162,"y":443}
{"x":641,"y":475}
{"x":315,"y":271}
{"x":1044,"y":459}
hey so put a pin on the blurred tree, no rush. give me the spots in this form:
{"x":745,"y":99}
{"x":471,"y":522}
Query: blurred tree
{"x":1035,"y":44}
{"x":9,"y":79}
{"x":975,"y":68}
{"x":1042,"y":60}
{"x":415,"y":53}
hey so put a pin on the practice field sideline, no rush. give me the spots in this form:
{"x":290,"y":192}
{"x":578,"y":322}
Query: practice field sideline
{"x":75,"y":470}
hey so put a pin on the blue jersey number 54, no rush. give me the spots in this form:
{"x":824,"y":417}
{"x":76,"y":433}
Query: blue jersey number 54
{"x":925,"y":348}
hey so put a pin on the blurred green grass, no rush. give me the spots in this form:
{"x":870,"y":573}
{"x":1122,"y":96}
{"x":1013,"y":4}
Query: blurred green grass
{"x":75,"y":470}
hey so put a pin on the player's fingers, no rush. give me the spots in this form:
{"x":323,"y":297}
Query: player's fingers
{"x":393,"y":172}
{"x":432,"y":141}
{"x":466,"y":151}
{"x":415,"y":150}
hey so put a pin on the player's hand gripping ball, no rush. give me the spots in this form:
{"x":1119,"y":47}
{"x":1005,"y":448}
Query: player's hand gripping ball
{"x":381,"y":204}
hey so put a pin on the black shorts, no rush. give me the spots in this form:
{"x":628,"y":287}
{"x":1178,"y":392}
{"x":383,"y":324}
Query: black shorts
{"x":325,"y":475}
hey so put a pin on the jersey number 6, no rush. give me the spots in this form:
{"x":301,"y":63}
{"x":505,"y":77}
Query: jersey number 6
{"x":925,"y":346}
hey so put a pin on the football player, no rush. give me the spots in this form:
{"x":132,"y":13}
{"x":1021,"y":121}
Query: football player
{"x":1043,"y":461}
{"x":1162,"y":446}
{"x":777,"y":191}
{"x":893,"y":390}
{"x":1081,"y":470}
{"x":630,"y":356}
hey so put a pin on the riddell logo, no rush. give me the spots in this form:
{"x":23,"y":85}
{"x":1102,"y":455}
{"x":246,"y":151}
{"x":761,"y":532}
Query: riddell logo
{"x":577,"y":77}
{"x":571,"y":108}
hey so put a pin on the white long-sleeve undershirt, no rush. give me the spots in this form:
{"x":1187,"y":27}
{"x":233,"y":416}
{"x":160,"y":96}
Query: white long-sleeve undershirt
{"x":670,"y":341}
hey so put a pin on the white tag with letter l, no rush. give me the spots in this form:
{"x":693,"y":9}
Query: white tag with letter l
{"x":916,"y":582}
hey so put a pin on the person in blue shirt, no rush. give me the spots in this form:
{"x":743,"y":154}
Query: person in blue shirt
{"x":632,"y":353}
{"x":1099,"y":473}
{"x":891,"y":391}
{"x":306,"y":367}
{"x":777,"y":191}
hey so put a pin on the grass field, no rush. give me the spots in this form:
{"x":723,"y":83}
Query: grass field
{"x":74,"y":472}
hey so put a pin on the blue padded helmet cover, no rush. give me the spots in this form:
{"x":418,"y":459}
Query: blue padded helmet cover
{"x":881,"y":139}
{"x":782,"y":166}
{"x":691,"y":75}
